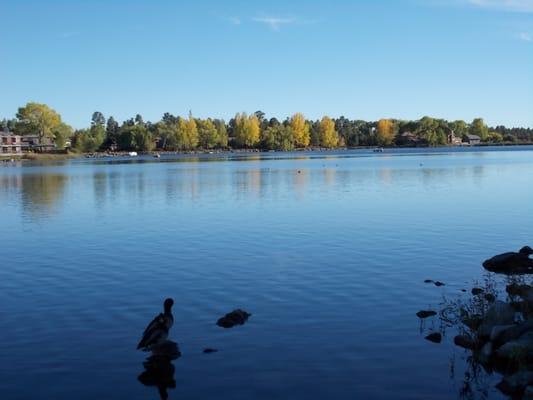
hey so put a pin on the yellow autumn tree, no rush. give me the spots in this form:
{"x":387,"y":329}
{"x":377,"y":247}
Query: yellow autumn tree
{"x":385,"y":132}
{"x":187,"y":133}
{"x":301,"y":130}
{"x":246,"y":130}
{"x":327,"y":133}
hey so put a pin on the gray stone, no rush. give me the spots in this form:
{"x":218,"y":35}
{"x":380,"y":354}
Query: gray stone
{"x":519,"y":350}
{"x":499,"y":313}
{"x":516,"y":383}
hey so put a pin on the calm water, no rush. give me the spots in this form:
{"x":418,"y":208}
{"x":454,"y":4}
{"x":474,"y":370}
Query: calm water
{"x":327,"y":251}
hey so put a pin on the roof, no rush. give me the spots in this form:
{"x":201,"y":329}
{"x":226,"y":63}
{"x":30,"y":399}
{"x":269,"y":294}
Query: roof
{"x":473,"y":137}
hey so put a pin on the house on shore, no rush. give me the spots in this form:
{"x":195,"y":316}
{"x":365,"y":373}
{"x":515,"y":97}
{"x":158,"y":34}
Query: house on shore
{"x":472,"y":140}
{"x":454,"y":140}
{"x":35,"y":143}
{"x":10,"y":144}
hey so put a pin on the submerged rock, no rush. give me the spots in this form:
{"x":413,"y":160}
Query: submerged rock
{"x":465,"y":342}
{"x":477,"y":291}
{"x":516,"y":383}
{"x":517,"y":351}
{"x":167,"y":348}
{"x":439,"y":283}
{"x":490,"y":297}
{"x":425,"y":314}
{"x":511,"y":263}
{"x":434,"y":337}
{"x":236,"y":317}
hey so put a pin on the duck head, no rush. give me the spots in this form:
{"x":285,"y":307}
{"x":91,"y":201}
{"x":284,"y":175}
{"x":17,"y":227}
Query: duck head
{"x":526,"y":250}
{"x":168,"y":305}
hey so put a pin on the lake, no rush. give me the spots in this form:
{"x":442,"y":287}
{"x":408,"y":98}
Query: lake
{"x":328,"y":251}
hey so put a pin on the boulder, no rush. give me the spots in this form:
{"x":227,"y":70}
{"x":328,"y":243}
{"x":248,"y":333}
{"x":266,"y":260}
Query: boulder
{"x":465,"y":341}
{"x":500,"y":313}
{"x":518,"y":351}
{"x":485,"y":353}
{"x":236,"y":317}
{"x":501,"y":334}
{"x":511,"y":263}
{"x":516,"y":383}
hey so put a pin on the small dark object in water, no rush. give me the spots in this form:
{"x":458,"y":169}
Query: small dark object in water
{"x":477,"y":291}
{"x":463,"y":290}
{"x":299,"y":171}
{"x":428,"y":281}
{"x":209,"y":350}
{"x":511,"y":263}
{"x":425,"y":314}
{"x":434,"y":337}
{"x":236,"y":317}
{"x":439,"y":283}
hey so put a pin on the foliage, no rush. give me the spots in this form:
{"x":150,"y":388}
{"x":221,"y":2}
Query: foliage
{"x":207,"y":133}
{"x":300,"y":130}
{"x":479,"y":128}
{"x":61,"y":133}
{"x":278,"y":137}
{"x":246,"y":130}
{"x":327,"y":133}
{"x":36,"y":118}
{"x":385,"y":132}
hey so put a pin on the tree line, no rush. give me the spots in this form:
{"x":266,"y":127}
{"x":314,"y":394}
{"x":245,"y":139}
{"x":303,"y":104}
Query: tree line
{"x":248,"y":131}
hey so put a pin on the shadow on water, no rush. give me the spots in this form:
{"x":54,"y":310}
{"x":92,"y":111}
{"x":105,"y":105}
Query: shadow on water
{"x":159,"y":372}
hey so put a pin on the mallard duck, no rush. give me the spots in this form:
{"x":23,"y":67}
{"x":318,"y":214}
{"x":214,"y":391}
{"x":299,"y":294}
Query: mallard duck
{"x":157,"y":331}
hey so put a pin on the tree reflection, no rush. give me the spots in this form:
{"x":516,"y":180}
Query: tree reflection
{"x":41,"y":193}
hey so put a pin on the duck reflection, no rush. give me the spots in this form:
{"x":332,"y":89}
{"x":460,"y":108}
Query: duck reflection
{"x":159,"y":372}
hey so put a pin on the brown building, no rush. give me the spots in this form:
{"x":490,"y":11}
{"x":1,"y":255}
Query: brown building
{"x":10,"y":144}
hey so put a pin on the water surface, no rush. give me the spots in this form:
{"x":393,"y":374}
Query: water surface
{"x":328,"y":251}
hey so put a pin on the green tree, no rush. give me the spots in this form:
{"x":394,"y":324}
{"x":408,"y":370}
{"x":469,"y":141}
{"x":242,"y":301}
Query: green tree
{"x":207,"y":133}
{"x":301,"y":130}
{"x":479,"y":128}
{"x":222,"y":133}
{"x":97,"y":119}
{"x":278,"y":137}
{"x":327,"y":133}
{"x":62,"y":132}
{"x":38,"y":118}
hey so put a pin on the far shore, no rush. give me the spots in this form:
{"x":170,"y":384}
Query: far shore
{"x":65,"y":155}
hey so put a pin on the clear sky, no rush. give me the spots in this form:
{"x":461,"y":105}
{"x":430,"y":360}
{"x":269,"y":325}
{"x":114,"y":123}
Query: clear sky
{"x":365,"y":59}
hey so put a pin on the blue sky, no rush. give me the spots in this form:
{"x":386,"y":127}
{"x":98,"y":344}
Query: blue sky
{"x":367,"y":59}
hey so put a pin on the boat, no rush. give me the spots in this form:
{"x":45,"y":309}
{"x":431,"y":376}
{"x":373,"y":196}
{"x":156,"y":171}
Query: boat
{"x":378,"y":150}
{"x":157,"y":155}
{"x":132,"y":154}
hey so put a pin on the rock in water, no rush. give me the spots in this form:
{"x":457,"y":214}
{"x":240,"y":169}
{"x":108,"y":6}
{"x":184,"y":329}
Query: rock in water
{"x":439,"y":283}
{"x":500,"y":313}
{"x":209,"y":350}
{"x":434,"y":337}
{"x":425,"y":313}
{"x":511,"y":263}
{"x":465,"y":342}
{"x":167,"y":348}
{"x":236,"y":317}
{"x":476,"y":291}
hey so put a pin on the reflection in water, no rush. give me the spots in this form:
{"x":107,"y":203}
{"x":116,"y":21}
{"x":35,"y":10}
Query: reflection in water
{"x":41,"y":193}
{"x":159,"y":372}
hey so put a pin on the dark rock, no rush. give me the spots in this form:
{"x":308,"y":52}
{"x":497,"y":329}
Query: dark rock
{"x":511,"y":263}
{"x":490,"y":297}
{"x":516,"y":383}
{"x":472,"y":322}
{"x":463,"y":290}
{"x":485,"y":353}
{"x":517,"y":351}
{"x":209,"y":350}
{"x":434,"y":337}
{"x":477,"y":291}
{"x":236,"y":317}
{"x":515,"y":289}
{"x":428,"y":281}
{"x":499,"y":313}
{"x":439,"y":283}
{"x":502,"y":334}
{"x":465,"y":342}
{"x":528,"y":393}
{"x":425,"y":313}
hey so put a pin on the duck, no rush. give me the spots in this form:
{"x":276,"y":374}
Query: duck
{"x":157,"y":331}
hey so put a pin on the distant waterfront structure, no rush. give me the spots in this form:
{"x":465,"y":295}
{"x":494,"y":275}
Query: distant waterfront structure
{"x":473,"y":139}
{"x":10,"y":144}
